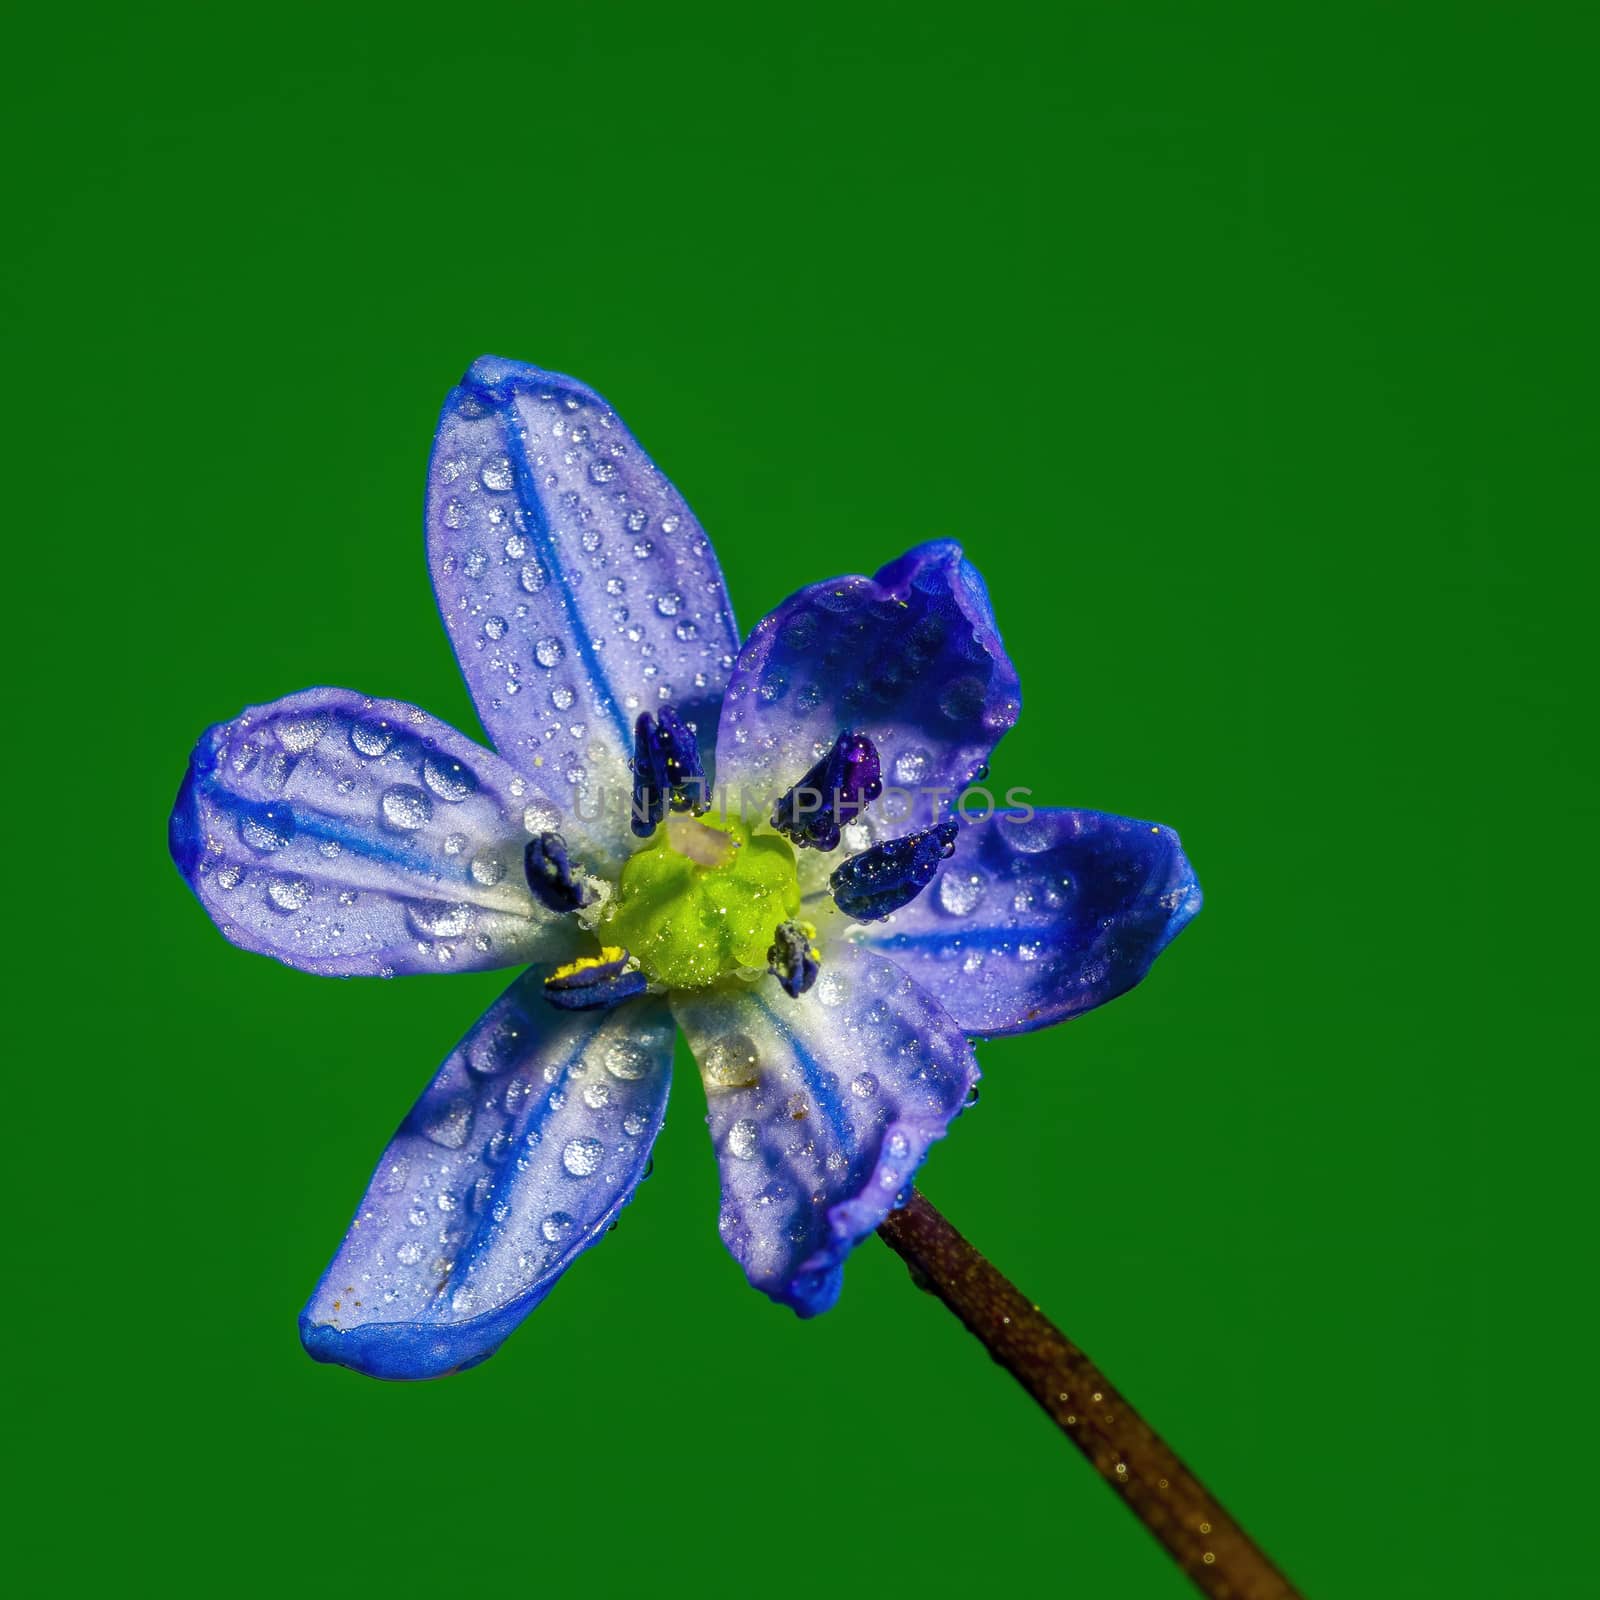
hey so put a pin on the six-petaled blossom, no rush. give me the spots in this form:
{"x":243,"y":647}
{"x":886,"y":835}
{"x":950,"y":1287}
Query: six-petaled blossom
{"x":829,"y":957}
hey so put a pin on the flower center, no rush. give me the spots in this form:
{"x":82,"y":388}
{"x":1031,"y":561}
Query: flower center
{"x":702,"y":899}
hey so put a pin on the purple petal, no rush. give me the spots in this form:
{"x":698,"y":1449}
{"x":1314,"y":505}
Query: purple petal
{"x":517,"y":1158}
{"x":821,"y":1111}
{"x":349,"y":836}
{"x":1034,"y":921}
{"x":910,"y":658}
{"x":575,"y":583}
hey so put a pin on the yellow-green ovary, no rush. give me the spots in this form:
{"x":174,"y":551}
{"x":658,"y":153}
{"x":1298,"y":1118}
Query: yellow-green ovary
{"x":689,"y":924}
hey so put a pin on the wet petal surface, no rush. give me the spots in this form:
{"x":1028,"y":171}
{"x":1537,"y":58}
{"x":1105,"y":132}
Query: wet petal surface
{"x":577,"y":587}
{"x":350,"y":836}
{"x":533,"y":1135}
{"x":1034,"y":921}
{"x":910,"y":658}
{"x":821,"y":1110}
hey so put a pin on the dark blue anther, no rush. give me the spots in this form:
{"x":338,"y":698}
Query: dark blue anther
{"x":835,"y":791}
{"x":592,"y":982}
{"x":686,"y":777}
{"x":549,"y":873}
{"x":793,"y":958}
{"x":879,"y":881}
{"x":667,"y":770}
{"x":649,"y":777}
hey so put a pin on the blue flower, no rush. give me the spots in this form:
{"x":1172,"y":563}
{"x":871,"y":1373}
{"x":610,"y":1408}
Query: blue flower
{"x":829,"y":954}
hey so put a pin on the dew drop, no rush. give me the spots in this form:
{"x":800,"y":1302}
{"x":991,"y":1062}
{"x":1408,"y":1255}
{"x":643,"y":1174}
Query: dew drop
{"x":487,"y":870}
{"x":266,"y":828}
{"x":911,"y":766}
{"x":732,"y":1062}
{"x":289,"y":894}
{"x":960,"y":892}
{"x":441,"y":921}
{"x":743,"y":1138}
{"x":626,"y":1060}
{"x":371,"y":739}
{"x":547,"y":652}
{"x":450,"y":1125}
{"x":539,"y":816}
{"x":405,"y":806}
{"x":582,"y":1157}
{"x":832,"y":987}
{"x":448,"y":778}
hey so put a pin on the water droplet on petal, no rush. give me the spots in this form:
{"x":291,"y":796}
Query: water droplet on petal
{"x":582,"y":1157}
{"x":405,"y":806}
{"x":732,"y":1062}
{"x":266,"y":828}
{"x":626,"y":1060}
{"x":448,"y":778}
{"x":289,"y":894}
{"x":557,"y":1226}
{"x":960,"y":892}
{"x":487,"y":870}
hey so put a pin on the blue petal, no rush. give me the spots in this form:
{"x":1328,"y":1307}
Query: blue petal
{"x":821,"y":1111}
{"x":515,"y":1160}
{"x":350,"y":836}
{"x":575,"y":583}
{"x":1034,"y":921}
{"x":911,"y":658}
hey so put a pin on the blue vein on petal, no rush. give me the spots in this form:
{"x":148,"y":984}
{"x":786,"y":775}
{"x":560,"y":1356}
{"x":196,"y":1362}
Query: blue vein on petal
{"x":813,"y":1069}
{"x":516,"y":444}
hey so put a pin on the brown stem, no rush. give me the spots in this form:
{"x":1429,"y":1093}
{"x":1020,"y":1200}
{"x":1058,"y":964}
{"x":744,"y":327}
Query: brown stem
{"x":1218,"y":1555}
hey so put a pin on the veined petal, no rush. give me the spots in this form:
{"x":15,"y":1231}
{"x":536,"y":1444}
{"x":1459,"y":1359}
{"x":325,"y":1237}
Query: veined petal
{"x":821,"y":1110}
{"x":516,"y":1159}
{"x":1034,"y":921}
{"x":349,"y":836}
{"x":575,"y":583}
{"x":910,"y":658}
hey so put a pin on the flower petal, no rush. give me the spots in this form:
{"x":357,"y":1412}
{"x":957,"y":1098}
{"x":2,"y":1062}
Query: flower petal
{"x":349,"y":836}
{"x":910,"y":658}
{"x":575,"y":583}
{"x":1034,"y":921}
{"x":516,"y":1159}
{"x":821,"y":1111}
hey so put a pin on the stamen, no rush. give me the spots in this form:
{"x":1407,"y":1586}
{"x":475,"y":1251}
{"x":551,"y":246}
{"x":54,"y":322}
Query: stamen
{"x":794,"y":959}
{"x":686,"y":776}
{"x":591,"y":982}
{"x":835,"y":791}
{"x":649,"y":777}
{"x":667,"y":770}
{"x":549,"y":873}
{"x":879,"y":881}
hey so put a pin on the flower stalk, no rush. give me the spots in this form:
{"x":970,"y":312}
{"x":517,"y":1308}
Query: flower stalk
{"x":1219,"y":1557}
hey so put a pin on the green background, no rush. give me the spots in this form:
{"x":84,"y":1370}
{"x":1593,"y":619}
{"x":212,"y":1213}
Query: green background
{"x":1248,"y":350}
